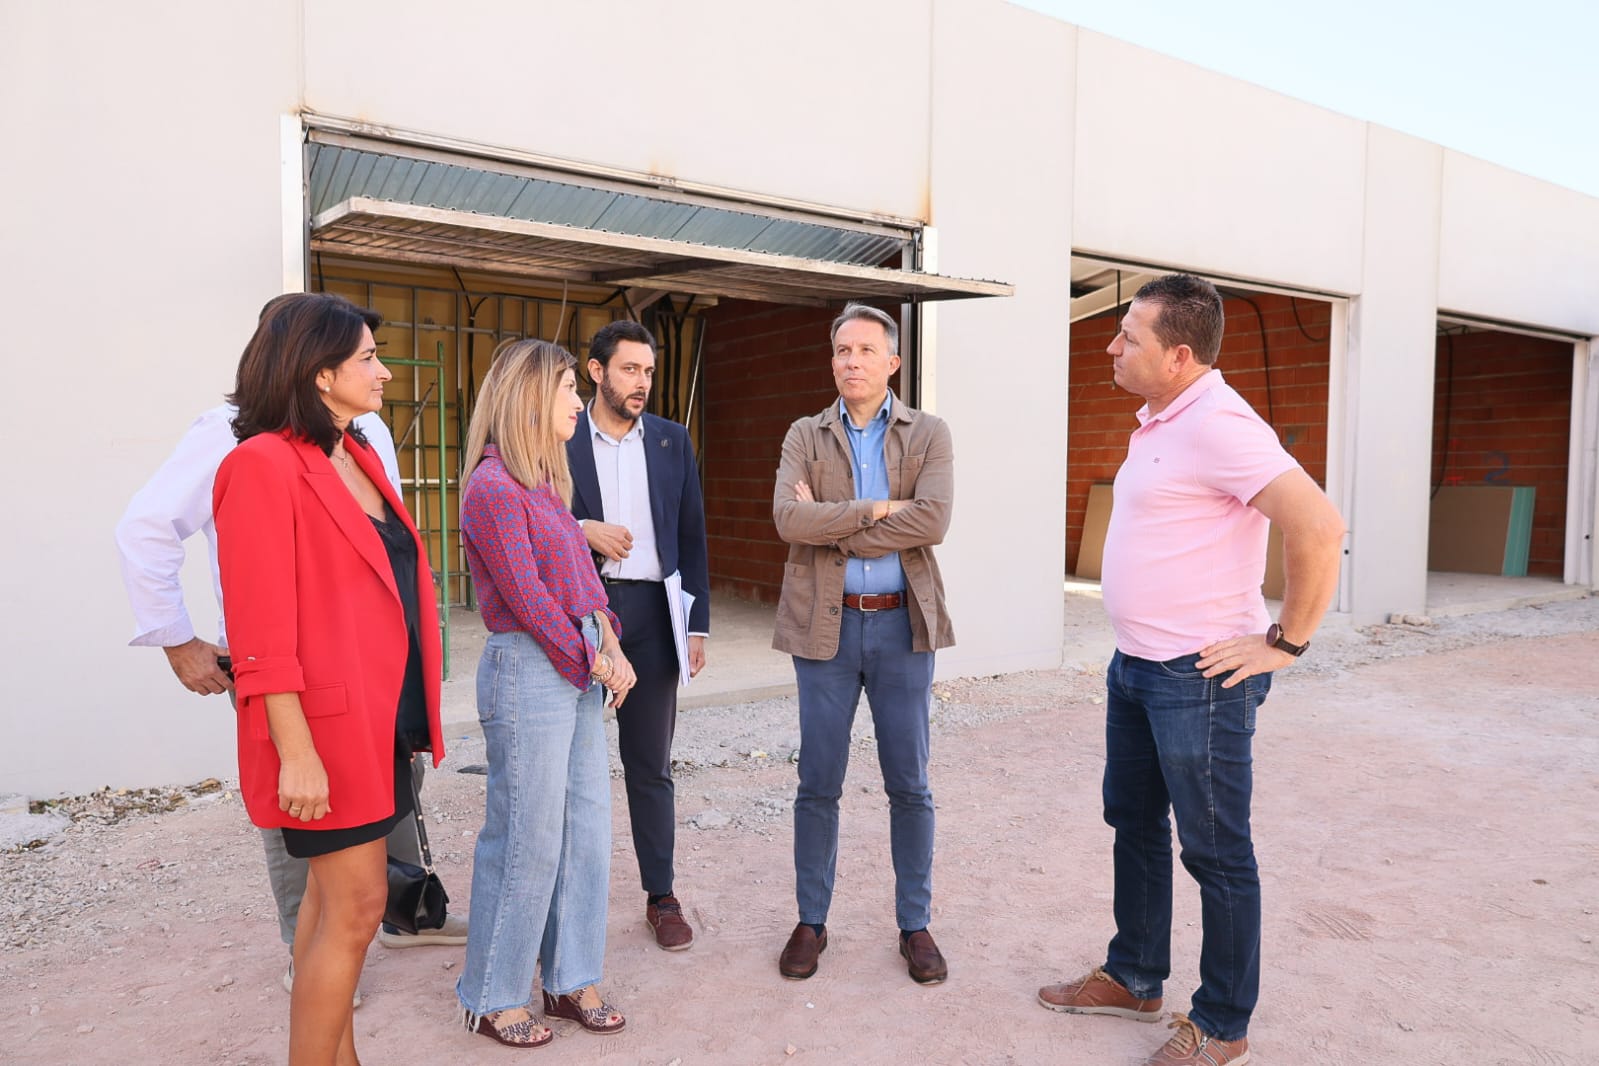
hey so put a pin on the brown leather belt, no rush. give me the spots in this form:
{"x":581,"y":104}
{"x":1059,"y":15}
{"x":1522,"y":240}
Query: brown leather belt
{"x":885,"y":601}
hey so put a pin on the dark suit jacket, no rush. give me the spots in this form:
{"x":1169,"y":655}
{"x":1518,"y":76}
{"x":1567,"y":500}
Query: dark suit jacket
{"x":676,"y":504}
{"x":312,"y":608}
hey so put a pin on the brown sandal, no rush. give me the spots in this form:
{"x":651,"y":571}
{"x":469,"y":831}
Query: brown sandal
{"x":513,"y":1034}
{"x":594,"y":1019}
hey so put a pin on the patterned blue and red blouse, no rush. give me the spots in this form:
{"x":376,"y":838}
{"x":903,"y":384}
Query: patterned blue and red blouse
{"x":531,"y":566}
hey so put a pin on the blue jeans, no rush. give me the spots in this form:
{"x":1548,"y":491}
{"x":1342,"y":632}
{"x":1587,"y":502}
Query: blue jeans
{"x":542,"y":870}
{"x":1177,"y":741}
{"x":874,"y":651}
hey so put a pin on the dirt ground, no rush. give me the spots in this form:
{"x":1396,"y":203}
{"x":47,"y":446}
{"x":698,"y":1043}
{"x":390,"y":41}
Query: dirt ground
{"x":1425,"y":818}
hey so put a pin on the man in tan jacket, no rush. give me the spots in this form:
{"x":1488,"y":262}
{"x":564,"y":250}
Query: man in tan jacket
{"x":863,"y":493}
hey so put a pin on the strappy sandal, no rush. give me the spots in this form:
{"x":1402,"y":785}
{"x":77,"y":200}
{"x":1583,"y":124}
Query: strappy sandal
{"x":514,"y":1034}
{"x":594,"y":1019}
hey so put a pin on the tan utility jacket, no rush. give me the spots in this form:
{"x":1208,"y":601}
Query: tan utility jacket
{"x":821,"y":535}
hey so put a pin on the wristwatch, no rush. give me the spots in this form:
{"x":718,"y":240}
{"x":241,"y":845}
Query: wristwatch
{"x":1274,"y":637}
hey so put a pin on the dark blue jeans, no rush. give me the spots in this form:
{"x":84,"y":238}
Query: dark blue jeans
{"x":874,"y":652}
{"x":1177,"y":742}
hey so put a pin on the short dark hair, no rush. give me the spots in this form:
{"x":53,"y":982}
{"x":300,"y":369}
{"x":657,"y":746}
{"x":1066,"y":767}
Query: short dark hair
{"x":299,"y":335}
{"x":867,"y":313}
{"x":1190,"y":313}
{"x":604,"y":343}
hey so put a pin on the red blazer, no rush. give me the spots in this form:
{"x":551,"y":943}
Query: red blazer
{"x":312,"y":608}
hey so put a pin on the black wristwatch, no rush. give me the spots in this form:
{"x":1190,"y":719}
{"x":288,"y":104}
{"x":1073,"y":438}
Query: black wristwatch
{"x":1274,"y":637}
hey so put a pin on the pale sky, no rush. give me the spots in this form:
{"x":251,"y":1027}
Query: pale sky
{"x":1516,"y":83}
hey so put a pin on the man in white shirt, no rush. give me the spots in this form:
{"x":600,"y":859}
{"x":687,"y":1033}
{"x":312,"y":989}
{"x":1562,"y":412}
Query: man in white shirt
{"x":171,"y":507}
{"x":174,"y":505}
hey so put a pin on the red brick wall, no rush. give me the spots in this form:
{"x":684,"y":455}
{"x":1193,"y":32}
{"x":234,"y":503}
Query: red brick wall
{"x":765,"y":366}
{"x":1508,"y":404}
{"x":1100,"y":415}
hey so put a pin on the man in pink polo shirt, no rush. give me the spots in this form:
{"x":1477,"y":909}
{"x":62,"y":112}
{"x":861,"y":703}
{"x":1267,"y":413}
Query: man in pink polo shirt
{"x":1184,"y":558}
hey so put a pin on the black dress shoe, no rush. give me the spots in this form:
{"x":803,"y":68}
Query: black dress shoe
{"x":798,"y":960}
{"x":924,"y":961}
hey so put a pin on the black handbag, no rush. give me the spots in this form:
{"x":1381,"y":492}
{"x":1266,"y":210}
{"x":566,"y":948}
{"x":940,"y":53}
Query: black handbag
{"x":417,"y":898}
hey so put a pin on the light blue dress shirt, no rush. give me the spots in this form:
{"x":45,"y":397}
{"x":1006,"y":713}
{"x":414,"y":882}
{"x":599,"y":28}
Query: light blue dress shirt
{"x":883,"y":574}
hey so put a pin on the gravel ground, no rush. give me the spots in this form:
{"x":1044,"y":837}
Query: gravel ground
{"x":1424,"y":816}
{"x":56,"y":881}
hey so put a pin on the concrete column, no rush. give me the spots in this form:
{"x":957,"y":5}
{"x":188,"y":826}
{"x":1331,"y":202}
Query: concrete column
{"x":1582,"y":494}
{"x":1389,"y":378}
{"x":1000,"y":192}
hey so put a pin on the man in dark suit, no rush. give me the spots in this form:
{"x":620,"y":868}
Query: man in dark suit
{"x":636,"y":491}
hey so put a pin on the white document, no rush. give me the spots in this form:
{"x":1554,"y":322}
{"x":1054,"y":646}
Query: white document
{"x":678,"y":605}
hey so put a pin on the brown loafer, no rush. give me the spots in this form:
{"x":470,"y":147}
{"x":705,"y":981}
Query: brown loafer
{"x":923,"y":959}
{"x":798,"y":960}
{"x":672,"y":931}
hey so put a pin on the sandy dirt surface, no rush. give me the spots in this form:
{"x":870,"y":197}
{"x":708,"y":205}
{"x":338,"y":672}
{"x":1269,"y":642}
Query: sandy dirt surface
{"x":1425,"y":817}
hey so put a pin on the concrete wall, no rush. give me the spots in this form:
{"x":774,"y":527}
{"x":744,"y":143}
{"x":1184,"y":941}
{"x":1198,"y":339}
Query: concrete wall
{"x":1516,"y":248}
{"x":825,"y":102}
{"x":1183,"y":167}
{"x":143,"y":234}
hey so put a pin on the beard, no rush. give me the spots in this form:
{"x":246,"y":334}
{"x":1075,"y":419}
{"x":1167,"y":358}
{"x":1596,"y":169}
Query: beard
{"x":617,"y":401}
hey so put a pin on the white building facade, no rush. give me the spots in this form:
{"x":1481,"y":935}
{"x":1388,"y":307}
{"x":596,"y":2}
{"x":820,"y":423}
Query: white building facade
{"x":157,"y":197}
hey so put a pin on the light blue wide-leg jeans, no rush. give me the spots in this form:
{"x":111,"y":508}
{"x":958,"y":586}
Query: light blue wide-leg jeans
{"x":541,"y":873}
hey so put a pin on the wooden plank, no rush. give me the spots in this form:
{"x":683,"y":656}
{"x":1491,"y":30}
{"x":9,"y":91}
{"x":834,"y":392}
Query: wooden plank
{"x":1091,"y":555}
{"x":1480,"y":529}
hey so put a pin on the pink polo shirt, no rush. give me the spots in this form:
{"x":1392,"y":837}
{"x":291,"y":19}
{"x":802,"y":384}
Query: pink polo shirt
{"x":1185,"y":554}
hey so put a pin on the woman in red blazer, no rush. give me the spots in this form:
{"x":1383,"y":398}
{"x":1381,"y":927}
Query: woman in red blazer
{"x":331,"y":622}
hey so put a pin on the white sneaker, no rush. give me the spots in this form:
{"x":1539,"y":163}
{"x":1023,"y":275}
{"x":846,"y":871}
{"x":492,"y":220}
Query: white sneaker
{"x":288,"y":986}
{"x":453,"y":931}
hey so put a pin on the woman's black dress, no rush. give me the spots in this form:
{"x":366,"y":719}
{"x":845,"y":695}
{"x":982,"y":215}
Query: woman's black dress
{"x":410,"y":719}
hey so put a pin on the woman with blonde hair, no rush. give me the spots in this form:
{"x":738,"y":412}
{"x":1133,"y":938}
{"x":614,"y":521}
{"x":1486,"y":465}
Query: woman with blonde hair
{"x":541,"y":872}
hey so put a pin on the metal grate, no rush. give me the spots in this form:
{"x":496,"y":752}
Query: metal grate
{"x":339,"y":173}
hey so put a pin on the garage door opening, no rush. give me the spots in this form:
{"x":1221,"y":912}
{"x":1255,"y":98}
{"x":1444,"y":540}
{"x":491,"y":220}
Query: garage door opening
{"x":1276,"y":352}
{"x":1502,"y":411}
{"x":462,"y":252}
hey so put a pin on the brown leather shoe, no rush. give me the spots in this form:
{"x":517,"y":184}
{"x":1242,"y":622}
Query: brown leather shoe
{"x":672,"y":931}
{"x":798,"y":960}
{"x":923,"y":959}
{"x":1099,"y":993}
{"x":1191,"y":1047}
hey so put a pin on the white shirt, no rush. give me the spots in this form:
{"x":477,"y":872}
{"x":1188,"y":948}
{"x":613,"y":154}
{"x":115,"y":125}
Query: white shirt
{"x":174,"y":505}
{"x":625,"y":498}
